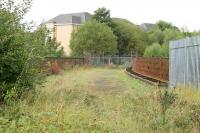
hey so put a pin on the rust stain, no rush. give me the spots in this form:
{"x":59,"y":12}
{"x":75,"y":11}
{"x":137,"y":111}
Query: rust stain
{"x":156,"y":68}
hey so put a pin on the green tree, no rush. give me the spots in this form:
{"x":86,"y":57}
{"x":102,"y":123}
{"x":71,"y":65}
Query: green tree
{"x":172,"y":34}
{"x":162,"y":25}
{"x":93,"y":38}
{"x":155,"y":35}
{"x":102,"y":15}
{"x":165,"y":50}
{"x":21,"y":51}
{"x":162,"y":33}
{"x":53,"y":48}
{"x":130,"y":38}
{"x":194,"y":33}
{"x":154,"y":50}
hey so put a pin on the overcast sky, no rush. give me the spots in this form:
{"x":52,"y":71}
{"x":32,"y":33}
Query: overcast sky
{"x":182,"y":13}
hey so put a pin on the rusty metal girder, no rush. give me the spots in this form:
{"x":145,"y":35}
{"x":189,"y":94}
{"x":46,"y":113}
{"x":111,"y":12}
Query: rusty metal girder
{"x":155,"y":68}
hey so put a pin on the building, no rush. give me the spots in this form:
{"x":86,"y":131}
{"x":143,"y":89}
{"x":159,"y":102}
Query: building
{"x":146,"y":26}
{"x":62,"y":26}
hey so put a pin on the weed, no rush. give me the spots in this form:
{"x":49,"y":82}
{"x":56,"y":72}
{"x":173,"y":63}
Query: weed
{"x":70,"y":102}
{"x":166,"y":99}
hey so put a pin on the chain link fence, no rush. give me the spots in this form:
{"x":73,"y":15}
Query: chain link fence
{"x":123,"y":61}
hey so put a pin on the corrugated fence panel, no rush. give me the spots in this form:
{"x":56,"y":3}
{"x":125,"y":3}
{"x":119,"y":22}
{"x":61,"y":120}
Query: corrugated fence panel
{"x":185,"y":62}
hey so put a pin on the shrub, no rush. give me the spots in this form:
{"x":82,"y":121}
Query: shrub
{"x":154,"y":50}
{"x":166,"y":99}
{"x":130,"y":38}
{"x":53,"y":49}
{"x":21,"y":51}
{"x":165,"y":50}
{"x":93,"y":38}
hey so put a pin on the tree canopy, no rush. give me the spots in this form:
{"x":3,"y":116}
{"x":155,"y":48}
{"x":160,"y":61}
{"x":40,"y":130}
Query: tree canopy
{"x":131,"y":39}
{"x":21,"y":51}
{"x":93,"y":38}
{"x":102,"y":15}
{"x":163,"y":25}
{"x":161,"y":34}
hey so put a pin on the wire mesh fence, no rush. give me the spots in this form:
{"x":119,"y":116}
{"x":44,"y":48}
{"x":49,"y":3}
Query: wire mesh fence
{"x":124,"y":61}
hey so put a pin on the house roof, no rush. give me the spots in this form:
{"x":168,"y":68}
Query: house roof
{"x":146,"y":26}
{"x":73,"y":18}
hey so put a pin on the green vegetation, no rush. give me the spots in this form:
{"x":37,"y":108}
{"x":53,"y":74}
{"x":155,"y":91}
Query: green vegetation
{"x":53,"y":49}
{"x":156,"y":50}
{"x":93,"y":38}
{"x":102,"y":15}
{"x":161,"y":34}
{"x":21,"y":51}
{"x":102,"y":100}
{"x":131,"y":39}
{"x":87,"y":99}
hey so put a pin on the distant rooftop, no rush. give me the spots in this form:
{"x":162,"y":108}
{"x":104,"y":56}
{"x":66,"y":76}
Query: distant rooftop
{"x":146,"y":26}
{"x":72,"y":18}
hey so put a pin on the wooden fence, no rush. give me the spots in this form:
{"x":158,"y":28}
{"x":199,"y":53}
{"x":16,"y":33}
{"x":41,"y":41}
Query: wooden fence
{"x":155,"y":68}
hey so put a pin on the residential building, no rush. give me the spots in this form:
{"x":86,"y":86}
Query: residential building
{"x":63,"y":25}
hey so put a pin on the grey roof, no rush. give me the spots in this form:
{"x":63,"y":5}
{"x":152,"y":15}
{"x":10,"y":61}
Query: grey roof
{"x":73,"y":18}
{"x":146,"y":26}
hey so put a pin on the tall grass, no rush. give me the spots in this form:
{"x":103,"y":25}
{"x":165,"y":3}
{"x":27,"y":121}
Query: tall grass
{"x":101,"y":100}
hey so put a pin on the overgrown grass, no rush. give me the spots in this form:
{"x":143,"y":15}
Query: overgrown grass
{"x":101,"y":100}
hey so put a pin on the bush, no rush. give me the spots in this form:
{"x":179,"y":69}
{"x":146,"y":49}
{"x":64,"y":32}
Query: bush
{"x":154,"y":50}
{"x":165,"y":50}
{"x":21,"y":51}
{"x":130,"y":38}
{"x":93,"y":38}
{"x":53,"y":49}
{"x":166,"y":100}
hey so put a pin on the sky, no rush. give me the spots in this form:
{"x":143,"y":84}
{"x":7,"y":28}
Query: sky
{"x":182,"y":13}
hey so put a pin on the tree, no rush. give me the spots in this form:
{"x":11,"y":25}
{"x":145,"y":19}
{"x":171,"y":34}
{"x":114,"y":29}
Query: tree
{"x":102,"y":15}
{"x":155,"y":35}
{"x":53,"y":48}
{"x":161,"y":34}
{"x":130,"y":38}
{"x":165,"y":50}
{"x":162,"y":25}
{"x":21,"y":51}
{"x":172,"y":34}
{"x":154,"y":50}
{"x":93,"y":38}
